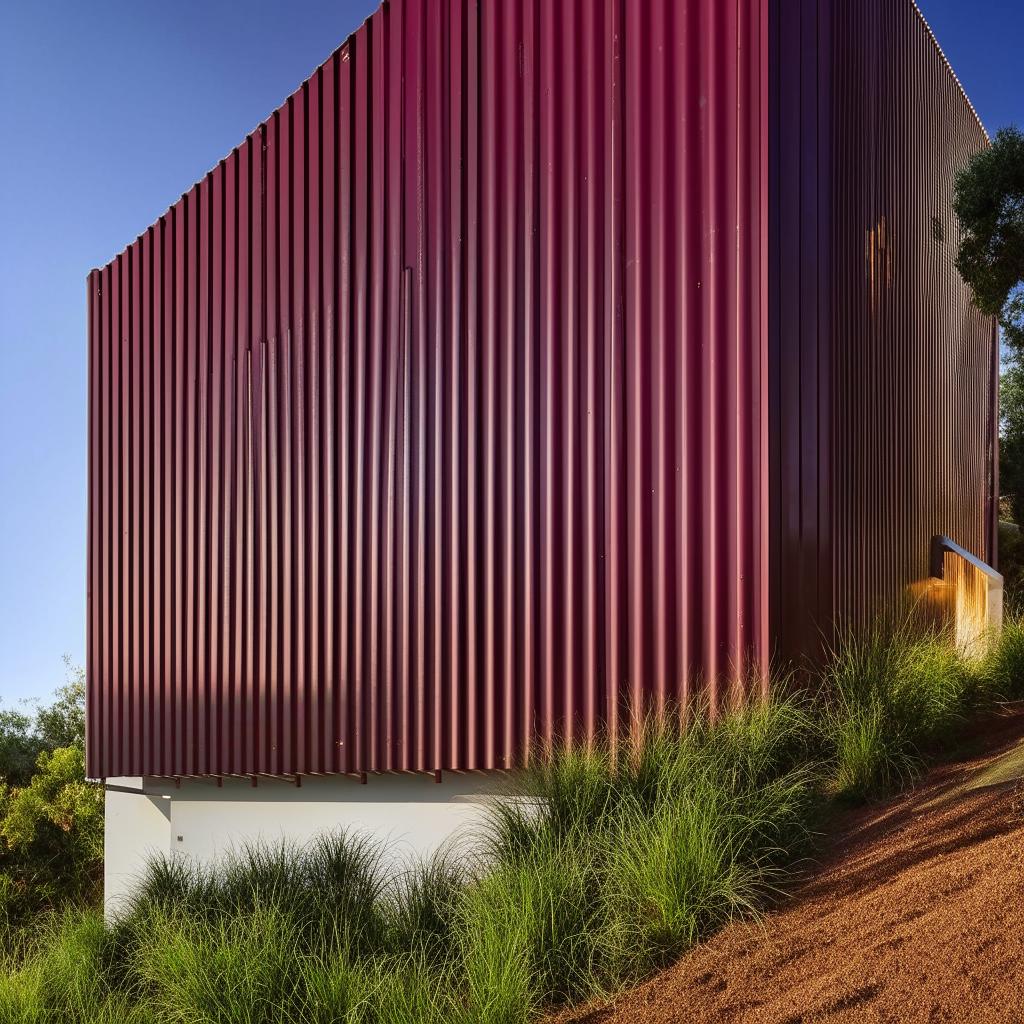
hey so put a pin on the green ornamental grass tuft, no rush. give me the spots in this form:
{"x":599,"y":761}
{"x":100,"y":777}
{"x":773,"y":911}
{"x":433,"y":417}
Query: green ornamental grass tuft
{"x":333,"y":990}
{"x":872,"y":756}
{"x":420,"y":907}
{"x":1003,"y":664}
{"x":677,"y":873}
{"x":609,"y":863}
{"x":237,"y":969}
{"x":72,"y":972}
{"x":530,"y":926}
{"x":893,"y":696}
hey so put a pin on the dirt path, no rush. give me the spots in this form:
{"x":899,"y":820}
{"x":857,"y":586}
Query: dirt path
{"x":915,"y":914}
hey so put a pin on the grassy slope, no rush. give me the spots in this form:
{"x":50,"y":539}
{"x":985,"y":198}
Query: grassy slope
{"x":596,"y":872}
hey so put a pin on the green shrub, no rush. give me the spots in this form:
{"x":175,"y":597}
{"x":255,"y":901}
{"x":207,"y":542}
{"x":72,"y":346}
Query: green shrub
{"x":51,"y":837}
{"x":51,"y":819}
{"x":1011,"y":545}
{"x":20,"y":747}
{"x":25,"y":735}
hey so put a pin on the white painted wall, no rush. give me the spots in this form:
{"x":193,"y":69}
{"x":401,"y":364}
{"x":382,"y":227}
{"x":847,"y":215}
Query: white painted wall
{"x":137,"y":826}
{"x":412,"y":814}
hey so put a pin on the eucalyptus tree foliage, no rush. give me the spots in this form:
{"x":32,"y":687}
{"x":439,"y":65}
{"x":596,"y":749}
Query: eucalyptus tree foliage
{"x":989,"y":203}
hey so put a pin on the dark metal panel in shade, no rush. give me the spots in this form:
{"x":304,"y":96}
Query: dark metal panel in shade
{"x":883,"y":422}
{"x":432,"y":420}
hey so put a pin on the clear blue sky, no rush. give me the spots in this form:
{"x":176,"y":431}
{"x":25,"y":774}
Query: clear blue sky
{"x":108,"y":112}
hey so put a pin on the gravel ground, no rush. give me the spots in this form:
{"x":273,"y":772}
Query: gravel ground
{"x":915,"y":913}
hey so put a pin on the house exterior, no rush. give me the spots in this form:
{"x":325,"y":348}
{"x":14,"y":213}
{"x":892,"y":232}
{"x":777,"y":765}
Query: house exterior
{"x":532,"y":364}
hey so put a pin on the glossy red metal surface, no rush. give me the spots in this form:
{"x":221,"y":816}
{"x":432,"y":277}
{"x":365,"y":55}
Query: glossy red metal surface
{"x":883,"y":375}
{"x":517,"y":370}
{"x":431,"y":421}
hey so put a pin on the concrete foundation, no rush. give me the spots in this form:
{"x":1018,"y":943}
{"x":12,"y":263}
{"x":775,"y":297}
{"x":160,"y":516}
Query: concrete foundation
{"x":413,"y":815}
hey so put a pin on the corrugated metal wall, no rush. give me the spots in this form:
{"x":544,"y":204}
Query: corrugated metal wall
{"x":800,"y":258}
{"x":433,"y":419}
{"x":883,"y":373}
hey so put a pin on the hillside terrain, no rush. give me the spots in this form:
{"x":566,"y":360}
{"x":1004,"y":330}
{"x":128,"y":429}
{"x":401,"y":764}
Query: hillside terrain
{"x":914,"y":913}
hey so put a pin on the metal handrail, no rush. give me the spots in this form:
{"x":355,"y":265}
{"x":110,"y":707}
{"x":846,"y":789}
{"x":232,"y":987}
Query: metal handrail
{"x":942,"y":544}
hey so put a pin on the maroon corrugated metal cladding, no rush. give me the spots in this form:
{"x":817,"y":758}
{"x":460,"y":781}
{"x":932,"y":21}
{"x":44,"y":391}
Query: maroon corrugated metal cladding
{"x":432,"y":420}
{"x":471,"y":400}
{"x":883,"y":411}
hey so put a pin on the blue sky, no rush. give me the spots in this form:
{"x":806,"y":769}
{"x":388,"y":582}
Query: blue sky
{"x":108,"y":111}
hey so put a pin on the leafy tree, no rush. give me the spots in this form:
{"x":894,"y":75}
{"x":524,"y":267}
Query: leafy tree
{"x":51,"y":818}
{"x":20,"y":746}
{"x":25,"y":734}
{"x":1011,"y":481}
{"x":1011,"y":437}
{"x":62,"y":724}
{"x":988,"y":198}
{"x":53,"y":832}
{"x":989,"y":203}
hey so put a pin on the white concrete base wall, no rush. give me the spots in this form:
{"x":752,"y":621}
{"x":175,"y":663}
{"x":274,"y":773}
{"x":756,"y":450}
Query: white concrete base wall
{"x":137,"y":826}
{"x":413,"y":815}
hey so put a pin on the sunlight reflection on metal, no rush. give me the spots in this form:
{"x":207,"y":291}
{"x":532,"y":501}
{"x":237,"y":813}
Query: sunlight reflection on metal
{"x":967,"y":593}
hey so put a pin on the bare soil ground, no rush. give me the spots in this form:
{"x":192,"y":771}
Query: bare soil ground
{"x":915,"y":913}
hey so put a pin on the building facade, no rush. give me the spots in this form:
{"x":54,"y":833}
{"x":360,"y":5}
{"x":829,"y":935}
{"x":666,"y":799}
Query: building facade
{"x":532,"y":364}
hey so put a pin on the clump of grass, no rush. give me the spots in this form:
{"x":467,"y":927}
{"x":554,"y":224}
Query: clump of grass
{"x":168,"y":884}
{"x":332,"y":990}
{"x":764,"y":740}
{"x":610,"y":863}
{"x":530,"y":926}
{"x":678,"y":873}
{"x":320,"y":933}
{"x":420,"y":908}
{"x":67,"y":972}
{"x":330,"y":892}
{"x":236,"y":968}
{"x":343,"y":879}
{"x":872,"y":756}
{"x":509,"y":920}
{"x":1002,"y":667}
{"x":406,"y":990}
{"x":893,"y":695}
{"x":708,"y":819}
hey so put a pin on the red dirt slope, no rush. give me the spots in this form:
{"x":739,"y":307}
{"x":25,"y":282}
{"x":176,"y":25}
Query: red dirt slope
{"x":915,"y":914}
